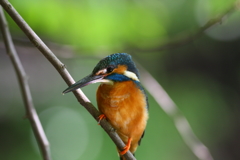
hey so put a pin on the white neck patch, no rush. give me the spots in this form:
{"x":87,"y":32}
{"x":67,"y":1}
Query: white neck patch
{"x":131,"y":75}
{"x":106,"y":81}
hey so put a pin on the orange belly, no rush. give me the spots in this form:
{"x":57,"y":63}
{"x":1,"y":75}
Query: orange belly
{"x":124,"y":105}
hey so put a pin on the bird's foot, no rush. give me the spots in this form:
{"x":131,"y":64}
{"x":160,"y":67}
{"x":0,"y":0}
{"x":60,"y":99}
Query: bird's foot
{"x":102,"y":116}
{"x":127,"y":147}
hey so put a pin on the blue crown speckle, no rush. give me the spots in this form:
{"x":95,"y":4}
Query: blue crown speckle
{"x":115,"y":60}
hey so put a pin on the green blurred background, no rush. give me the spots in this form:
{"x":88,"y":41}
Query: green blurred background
{"x":202,"y":77}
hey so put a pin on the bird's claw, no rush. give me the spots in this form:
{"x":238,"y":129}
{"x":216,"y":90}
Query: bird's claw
{"x":126,"y":148}
{"x":102,"y":116}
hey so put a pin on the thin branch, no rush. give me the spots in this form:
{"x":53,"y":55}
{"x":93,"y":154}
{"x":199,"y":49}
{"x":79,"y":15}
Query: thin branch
{"x":31,"y":113}
{"x":180,"y":40}
{"x":60,"y":67}
{"x":171,"y":109}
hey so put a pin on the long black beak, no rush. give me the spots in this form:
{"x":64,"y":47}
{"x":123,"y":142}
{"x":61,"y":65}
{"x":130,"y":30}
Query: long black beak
{"x":84,"y":82}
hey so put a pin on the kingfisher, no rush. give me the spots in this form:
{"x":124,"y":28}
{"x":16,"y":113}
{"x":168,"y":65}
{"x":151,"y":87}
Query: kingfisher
{"x":121,"y":98}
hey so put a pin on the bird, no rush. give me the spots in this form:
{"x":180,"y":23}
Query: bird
{"x":121,"y":99}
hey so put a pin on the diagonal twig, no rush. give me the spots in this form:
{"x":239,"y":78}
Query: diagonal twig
{"x":31,"y":113}
{"x":60,"y":67}
{"x":180,"y":40}
{"x":171,"y":109}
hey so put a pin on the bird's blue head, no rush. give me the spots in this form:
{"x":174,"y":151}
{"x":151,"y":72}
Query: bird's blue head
{"x":116,"y":67}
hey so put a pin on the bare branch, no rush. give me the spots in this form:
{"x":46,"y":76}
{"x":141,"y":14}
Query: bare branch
{"x":31,"y":113}
{"x":60,"y":67}
{"x":181,"y":123}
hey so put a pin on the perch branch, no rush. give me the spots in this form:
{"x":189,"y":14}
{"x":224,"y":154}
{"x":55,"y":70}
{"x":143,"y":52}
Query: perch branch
{"x":171,"y":109}
{"x":23,"y":81}
{"x":60,"y":67}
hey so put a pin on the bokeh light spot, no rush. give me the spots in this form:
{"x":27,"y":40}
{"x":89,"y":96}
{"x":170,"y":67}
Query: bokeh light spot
{"x":66,"y":131}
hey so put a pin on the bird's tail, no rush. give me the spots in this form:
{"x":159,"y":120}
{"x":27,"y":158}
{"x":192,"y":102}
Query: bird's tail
{"x":123,"y":158}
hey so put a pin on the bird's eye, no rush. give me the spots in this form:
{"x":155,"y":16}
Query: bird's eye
{"x":110,"y":69}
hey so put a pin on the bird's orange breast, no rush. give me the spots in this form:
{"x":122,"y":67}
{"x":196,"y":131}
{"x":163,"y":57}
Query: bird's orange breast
{"x":124,"y":105}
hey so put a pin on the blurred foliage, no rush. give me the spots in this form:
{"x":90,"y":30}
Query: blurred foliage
{"x":202,"y":77}
{"x":112,"y":25}
{"x":91,"y":25}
